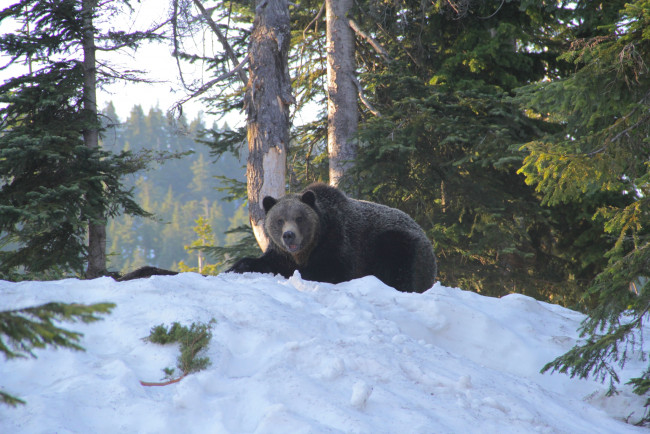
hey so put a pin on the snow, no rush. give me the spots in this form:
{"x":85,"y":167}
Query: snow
{"x":294,"y":356}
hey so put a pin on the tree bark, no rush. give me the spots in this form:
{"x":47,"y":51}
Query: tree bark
{"x":96,"y":231}
{"x":342,"y":110}
{"x":267,"y":101}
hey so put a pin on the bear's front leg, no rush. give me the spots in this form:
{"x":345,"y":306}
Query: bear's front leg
{"x":246,"y":265}
{"x":270,"y":262}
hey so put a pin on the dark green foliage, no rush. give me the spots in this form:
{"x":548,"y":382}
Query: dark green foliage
{"x":598,"y":156}
{"x":642,"y":387}
{"x":33,"y":327}
{"x":52,"y":185}
{"x":8,"y":399}
{"x":447,"y":146}
{"x":597,"y":356}
{"x":23,"y":330}
{"x":192,"y":341}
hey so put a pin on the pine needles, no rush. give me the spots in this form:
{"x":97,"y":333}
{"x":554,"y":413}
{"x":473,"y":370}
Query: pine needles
{"x":192,"y":341}
{"x":22,"y":330}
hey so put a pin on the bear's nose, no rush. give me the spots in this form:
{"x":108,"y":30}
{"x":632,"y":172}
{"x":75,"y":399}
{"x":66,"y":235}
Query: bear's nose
{"x":288,"y":237}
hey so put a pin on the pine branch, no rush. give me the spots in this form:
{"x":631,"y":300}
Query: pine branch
{"x":205,"y":87}
{"x":192,"y":340}
{"x":245,"y":246}
{"x":222,"y":40}
{"x":5,"y":398}
{"x":371,"y":41}
{"x":162,"y":383}
{"x":318,"y":15}
{"x":33,"y":327}
{"x":363,"y":98}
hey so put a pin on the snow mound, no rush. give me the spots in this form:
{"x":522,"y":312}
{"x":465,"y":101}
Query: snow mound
{"x":294,"y":356}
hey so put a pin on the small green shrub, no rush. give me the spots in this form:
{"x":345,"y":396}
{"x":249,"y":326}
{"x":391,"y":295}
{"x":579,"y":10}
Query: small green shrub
{"x":192,"y":341}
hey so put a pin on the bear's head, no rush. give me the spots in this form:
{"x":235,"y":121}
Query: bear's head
{"x":292,"y":223}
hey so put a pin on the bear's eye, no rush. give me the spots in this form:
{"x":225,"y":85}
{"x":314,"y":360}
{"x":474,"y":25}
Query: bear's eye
{"x":299,"y":219}
{"x":280,"y":222}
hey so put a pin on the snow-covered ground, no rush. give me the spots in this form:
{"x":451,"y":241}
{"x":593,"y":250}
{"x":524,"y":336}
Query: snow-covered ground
{"x":293,"y":356}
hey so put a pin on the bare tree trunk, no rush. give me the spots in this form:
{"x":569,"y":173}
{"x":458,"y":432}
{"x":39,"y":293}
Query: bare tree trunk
{"x":342,"y":111}
{"x":96,"y":231}
{"x":268,"y":97}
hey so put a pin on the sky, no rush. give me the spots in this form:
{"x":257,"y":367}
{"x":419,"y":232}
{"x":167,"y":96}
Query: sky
{"x":156,"y":59}
{"x":160,"y":66}
{"x":295,"y":356}
{"x":153,"y":58}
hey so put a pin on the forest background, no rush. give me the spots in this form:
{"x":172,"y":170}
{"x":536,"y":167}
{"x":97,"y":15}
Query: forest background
{"x":181,"y":193}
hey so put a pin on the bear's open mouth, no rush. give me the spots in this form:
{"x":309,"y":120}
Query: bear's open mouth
{"x":292,"y":247}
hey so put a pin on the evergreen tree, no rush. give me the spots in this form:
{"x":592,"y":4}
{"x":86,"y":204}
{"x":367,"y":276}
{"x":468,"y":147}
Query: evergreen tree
{"x":239,"y":240}
{"x":55,"y":183}
{"x":51,"y":183}
{"x":172,"y":229}
{"x":205,"y":238}
{"x":440,"y":137}
{"x":440,"y":132}
{"x":597,"y":157}
{"x":111,"y":140}
{"x":201,"y":177}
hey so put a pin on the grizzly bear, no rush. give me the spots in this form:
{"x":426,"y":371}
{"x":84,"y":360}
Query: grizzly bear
{"x":329,"y":237}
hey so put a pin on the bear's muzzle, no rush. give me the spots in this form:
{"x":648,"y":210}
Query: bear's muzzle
{"x":290,"y":242}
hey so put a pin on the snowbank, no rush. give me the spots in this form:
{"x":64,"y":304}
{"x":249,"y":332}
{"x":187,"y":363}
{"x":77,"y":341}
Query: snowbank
{"x":293,"y":356}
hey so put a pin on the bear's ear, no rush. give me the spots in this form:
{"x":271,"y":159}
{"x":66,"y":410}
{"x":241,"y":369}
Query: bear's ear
{"x":309,"y":198}
{"x":268,"y":203}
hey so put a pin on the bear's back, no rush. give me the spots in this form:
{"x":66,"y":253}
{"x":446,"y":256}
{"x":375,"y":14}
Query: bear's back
{"x":358,"y":217}
{"x":369,"y":238}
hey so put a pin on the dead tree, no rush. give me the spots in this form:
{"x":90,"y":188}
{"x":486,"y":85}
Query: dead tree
{"x":342,"y":110}
{"x":267,"y":101}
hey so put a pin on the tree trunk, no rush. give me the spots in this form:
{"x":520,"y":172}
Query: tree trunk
{"x":96,"y":231}
{"x":342,"y":111}
{"x":267,"y":101}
